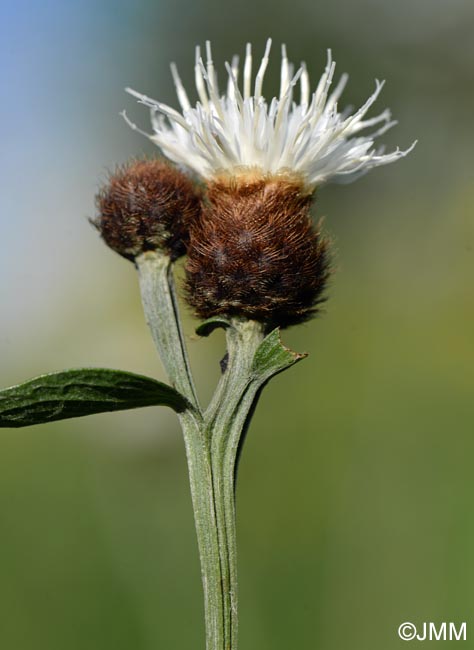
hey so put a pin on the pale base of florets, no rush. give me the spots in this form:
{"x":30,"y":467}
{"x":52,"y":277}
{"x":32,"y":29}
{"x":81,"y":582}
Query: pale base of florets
{"x":251,"y":175}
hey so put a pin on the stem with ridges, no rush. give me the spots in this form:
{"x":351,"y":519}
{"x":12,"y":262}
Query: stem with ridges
{"x":159,"y":303}
{"x":161,"y":312}
{"x":212,"y":439}
{"x":202,"y":492}
{"x":243,"y":338}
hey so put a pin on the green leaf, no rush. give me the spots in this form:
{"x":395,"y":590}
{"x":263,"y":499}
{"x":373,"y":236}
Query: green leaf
{"x":209,"y":325}
{"x":84,"y":391}
{"x":272,"y":357}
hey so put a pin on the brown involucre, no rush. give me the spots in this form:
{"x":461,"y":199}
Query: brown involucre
{"x":147,"y":205}
{"x":254,"y":252}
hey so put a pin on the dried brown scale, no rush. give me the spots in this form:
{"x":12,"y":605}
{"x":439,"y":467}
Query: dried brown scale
{"x":147,"y":205}
{"x":254,"y":252}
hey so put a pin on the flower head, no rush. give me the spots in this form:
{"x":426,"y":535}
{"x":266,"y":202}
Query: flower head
{"x":147,"y":205}
{"x":238,"y":132}
{"x":255,"y":253}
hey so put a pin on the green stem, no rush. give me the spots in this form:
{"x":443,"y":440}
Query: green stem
{"x":202,"y":493}
{"x":226,"y":426}
{"x":212,"y":439}
{"x":161,"y":312}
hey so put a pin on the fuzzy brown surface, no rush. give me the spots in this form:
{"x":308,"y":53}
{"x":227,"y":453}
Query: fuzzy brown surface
{"x":147,"y":205}
{"x":255,"y":253}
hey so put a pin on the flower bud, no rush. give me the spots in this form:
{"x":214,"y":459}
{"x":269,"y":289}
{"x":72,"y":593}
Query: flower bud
{"x":254,"y":252}
{"x":147,"y":205}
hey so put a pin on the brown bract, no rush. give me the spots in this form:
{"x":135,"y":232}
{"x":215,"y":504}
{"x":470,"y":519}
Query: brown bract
{"x":147,"y":205}
{"x":254,"y":252}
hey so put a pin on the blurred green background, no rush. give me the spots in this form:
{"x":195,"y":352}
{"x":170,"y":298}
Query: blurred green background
{"x":356,"y":489}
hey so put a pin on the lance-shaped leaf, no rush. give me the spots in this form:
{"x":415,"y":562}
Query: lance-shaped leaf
{"x":83,"y":391}
{"x":239,"y":401}
{"x":273,"y":357}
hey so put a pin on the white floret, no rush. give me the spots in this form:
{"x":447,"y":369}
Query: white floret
{"x":234,"y":131}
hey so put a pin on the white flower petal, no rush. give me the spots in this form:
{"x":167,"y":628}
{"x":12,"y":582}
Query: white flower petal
{"x":236,"y":130}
